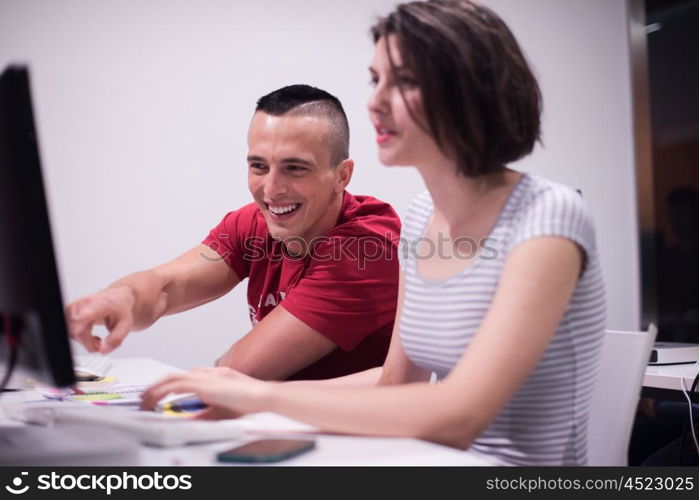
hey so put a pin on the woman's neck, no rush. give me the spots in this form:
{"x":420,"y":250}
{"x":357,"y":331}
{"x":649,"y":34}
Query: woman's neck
{"x":459,"y":200}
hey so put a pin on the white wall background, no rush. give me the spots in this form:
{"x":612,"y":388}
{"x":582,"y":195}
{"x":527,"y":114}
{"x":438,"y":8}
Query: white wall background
{"x":143,"y":107}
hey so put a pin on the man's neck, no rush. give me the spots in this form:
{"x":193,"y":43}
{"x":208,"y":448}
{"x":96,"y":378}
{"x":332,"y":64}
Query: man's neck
{"x":300,"y":246}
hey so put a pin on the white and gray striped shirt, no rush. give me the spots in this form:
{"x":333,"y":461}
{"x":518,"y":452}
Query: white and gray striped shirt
{"x":545,"y":422}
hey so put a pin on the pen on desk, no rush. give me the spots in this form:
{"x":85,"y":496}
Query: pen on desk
{"x":192,"y":404}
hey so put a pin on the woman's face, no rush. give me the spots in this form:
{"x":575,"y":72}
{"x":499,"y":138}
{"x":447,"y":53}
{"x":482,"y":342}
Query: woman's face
{"x":400,"y":139}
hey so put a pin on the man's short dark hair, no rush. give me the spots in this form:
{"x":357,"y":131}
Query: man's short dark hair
{"x":304,"y":100}
{"x":481,"y":100}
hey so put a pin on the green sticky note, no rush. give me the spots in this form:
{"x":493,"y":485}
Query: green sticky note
{"x":97,"y":397}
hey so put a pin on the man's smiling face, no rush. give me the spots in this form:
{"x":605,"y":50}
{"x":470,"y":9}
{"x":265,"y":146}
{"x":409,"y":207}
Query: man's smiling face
{"x":291,"y":177}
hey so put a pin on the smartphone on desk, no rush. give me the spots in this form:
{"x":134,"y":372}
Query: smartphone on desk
{"x":267,"y":450}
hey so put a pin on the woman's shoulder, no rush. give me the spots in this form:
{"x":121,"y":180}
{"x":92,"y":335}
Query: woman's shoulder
{"x":547,"y":207}
{"x":542,"y":197}
{"x":422,"y":203}
{"x":419,"y":211}
{"x":537,"y":186}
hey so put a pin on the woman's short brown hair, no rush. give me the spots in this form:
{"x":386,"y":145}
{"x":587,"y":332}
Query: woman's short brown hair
{"x":481,"y":101}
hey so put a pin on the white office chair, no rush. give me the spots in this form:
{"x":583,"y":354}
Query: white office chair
{"x":615,"y":395}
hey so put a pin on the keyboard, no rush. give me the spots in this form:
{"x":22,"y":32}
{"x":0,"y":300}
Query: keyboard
{"x":89,"y":367}
{"x":150,"y":428}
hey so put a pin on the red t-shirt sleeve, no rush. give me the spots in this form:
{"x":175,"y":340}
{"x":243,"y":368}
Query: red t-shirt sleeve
{"x":349,"y":289}
{"x":235,"y":237}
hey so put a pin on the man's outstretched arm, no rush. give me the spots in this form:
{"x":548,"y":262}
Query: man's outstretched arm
{"x":136,"y":301}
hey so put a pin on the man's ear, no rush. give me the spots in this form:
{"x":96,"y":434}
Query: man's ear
{"x":344,"y":174}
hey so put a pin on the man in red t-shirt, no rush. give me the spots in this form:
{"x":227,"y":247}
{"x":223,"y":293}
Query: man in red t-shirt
{"x":321,"y":262}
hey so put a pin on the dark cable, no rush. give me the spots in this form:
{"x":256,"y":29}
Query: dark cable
{"x":12,"y":343}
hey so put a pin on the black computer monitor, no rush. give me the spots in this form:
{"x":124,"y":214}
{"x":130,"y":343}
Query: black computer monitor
{"x":31,"y":309}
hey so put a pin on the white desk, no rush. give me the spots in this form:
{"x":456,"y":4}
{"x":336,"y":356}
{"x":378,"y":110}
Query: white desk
{"x":669,"y":376}
{"x":330,"y":449}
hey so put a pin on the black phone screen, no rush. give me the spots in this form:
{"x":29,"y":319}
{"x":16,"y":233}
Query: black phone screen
{"x":267,"y":450}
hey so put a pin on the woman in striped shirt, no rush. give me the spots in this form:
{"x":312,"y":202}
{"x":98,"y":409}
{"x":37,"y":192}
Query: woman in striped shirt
{"x":500,"y":294}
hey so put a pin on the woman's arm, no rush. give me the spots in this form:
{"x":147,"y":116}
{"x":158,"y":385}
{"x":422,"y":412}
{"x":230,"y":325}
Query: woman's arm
{"x":535,"y":287}
{"x":366,"y":378}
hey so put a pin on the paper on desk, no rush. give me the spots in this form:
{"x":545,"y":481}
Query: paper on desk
{"x":117,"y":393}
{"x":99,"y":384}
{"x":273,"y":422}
